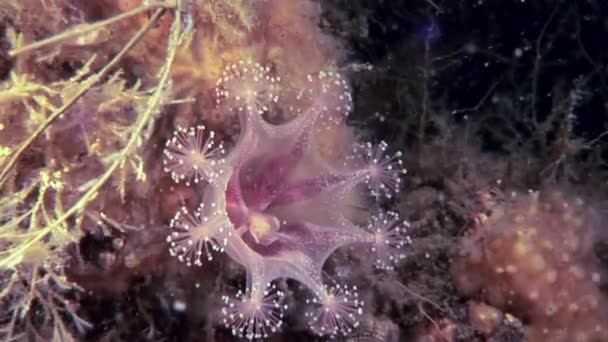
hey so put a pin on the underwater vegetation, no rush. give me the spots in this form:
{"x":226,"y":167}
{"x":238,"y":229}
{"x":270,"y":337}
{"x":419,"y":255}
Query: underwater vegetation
{"x":236,"y":169}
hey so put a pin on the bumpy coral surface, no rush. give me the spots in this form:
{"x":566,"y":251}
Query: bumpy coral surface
{"x":276,"y":206}
{"x":533,"y":259}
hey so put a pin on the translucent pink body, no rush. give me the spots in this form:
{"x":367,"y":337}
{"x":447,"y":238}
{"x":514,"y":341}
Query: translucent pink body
{"x":278,"y":208}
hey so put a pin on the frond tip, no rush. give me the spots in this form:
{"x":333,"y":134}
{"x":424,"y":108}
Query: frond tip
{"x":193,"y":154}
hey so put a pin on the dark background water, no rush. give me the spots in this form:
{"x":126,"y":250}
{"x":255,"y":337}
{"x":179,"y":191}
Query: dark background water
{"x":512,"y":56}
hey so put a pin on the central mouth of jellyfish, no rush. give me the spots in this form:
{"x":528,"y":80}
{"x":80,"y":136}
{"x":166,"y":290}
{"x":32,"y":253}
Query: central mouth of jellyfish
{"x":258,"y":226}
{"x":262,"y":232}
{"x":263,"y":228}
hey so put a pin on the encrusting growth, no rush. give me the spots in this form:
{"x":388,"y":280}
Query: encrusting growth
{"x":276,"y":206}
{"x":531,"y":257}
{"x":335,"y":311}
{"x":384,"y":171}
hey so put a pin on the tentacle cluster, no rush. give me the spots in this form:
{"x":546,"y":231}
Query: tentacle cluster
{"x":193,"y":154}
{"x":255,"y":313}
{"x":384,"y":171}
{"x":390,"y":237}
{"x":335,"y":311}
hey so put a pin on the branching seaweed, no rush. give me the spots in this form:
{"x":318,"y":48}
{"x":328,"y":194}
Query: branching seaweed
{"x":40,"y":216}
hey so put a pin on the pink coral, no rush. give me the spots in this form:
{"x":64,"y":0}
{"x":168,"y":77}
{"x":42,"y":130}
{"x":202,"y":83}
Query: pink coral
{"x":533,"y":258}
{"x":278,"y":208}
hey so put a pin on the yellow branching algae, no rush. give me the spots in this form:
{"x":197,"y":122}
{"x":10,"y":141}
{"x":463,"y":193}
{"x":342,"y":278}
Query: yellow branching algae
{"x":62,"y":141}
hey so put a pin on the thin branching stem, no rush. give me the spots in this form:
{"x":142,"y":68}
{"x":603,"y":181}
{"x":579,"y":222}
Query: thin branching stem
{"x":435,"y":6}
{"x":597,"y":139}
{"x":426,"y":75}
{"x":131,"y":143}
{"x":86,"y":28}
{"x":420,"y":297}
{"x":537,"y":66}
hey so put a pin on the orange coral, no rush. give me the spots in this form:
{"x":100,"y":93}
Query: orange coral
{"x":532,"y":257}
{"x":484,"y":318}
{"x":293,"y":39}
